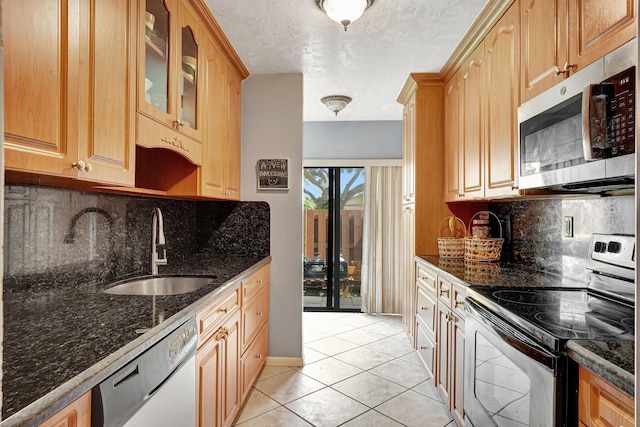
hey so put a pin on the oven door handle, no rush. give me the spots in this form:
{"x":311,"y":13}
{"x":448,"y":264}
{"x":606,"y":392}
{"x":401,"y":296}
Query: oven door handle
{"x":513,"y":337}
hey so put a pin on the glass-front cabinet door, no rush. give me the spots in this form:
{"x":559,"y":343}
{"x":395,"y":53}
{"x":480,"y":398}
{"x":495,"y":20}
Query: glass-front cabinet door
{"x":158,"y":23}
{"x":169,"y":67}
{"x":188,"y":76}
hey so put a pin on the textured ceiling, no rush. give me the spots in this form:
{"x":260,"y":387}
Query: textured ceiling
{"x":369,"y":62}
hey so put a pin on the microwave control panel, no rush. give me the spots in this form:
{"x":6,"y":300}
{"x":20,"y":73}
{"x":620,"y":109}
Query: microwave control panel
{"x":621,"y":124}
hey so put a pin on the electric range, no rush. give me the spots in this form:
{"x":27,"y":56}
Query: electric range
{"x":516,"y":367}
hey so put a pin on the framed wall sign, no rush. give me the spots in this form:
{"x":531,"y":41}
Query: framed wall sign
{"x":273,"y":174}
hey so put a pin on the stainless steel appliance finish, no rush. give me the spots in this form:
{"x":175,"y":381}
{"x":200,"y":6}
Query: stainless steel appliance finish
{"x":157,"y":388}
{"x":509,"y":379}
{"x":580,"y":134}
{"x":516,"y":368}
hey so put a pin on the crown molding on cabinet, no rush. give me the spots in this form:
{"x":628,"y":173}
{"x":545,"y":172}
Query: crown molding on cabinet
{"x":480,"y":28}
{"x":418,"y":79}
{"x":205,"y":13}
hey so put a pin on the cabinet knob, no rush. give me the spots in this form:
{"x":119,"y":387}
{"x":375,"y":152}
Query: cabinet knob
{"x":259,"y":313}
{"x":259,"y":356}
{"x":458,"y":304}
{"x":424,"y":348}
{"x":78,"y":165}
{"x":88,"y":168}
{"x":223,"y":310}
{"x":424,"y":308}
{"x":260,"y":282}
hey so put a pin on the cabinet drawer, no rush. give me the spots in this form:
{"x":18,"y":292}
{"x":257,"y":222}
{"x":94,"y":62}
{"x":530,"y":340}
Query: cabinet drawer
{"x":254,"y":315}
{"x":457,"y":300}
{"x":252,"y":285}
{"x":426,"y":277}
{"x":426,"y":308}
{"x":210,"y":318}
{"x":445,"y":289}
{"x":426,"y":348}
{"x":253,"y":359}
{"x":601,"y":403}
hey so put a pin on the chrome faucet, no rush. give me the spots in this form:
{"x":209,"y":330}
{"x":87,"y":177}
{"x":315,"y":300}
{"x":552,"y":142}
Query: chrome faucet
{"x":158,"y":250}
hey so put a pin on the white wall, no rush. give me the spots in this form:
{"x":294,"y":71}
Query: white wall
{"x":272,"y":129}
{"x":353,"y":140}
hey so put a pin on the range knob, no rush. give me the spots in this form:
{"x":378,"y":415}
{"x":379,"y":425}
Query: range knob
{"x":600,"y":247}
{"x":613,"y":247}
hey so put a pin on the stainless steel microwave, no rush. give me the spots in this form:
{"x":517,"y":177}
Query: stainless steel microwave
{"x":580,"y":134}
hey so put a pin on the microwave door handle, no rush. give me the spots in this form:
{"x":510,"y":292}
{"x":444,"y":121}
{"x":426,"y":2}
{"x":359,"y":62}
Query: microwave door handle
{"x":594,"y":120}
{"x":586,"y":122}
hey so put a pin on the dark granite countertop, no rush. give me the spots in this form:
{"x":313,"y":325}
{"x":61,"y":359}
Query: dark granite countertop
{"x":612,"y":360}
{"x":497,"y":273}
{"x":59,"y":343}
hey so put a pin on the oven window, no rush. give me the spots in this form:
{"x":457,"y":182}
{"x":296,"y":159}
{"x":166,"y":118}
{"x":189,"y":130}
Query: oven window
{"x":503,"y":389}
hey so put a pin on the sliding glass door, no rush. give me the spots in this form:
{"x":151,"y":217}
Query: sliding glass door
{"x":332,"y":259}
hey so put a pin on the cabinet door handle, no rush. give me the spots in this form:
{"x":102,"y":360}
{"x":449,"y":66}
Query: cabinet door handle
{"x":459,"y":303}
{"x":223,"y":310}
{"x":88,"y":168}
{"x":424,"y":308}
{"x":566,"y":69}
{"x":424,"y":348}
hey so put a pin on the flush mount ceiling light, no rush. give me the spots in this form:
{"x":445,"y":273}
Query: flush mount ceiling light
{"x":335,"y":103}
{"x":344,"y":11}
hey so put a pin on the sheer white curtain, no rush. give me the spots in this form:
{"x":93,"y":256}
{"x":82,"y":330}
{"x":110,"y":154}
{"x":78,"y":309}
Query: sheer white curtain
{"x":381,"y":265}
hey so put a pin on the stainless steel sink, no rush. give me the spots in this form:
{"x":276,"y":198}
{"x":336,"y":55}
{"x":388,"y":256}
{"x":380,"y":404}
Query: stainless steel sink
{"x":160,"y":286}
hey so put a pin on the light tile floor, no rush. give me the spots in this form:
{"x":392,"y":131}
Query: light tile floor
{"x":360,"y":371}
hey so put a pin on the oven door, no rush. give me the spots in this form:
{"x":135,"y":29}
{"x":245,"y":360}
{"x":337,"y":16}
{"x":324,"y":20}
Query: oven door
{"x":509,"y":380}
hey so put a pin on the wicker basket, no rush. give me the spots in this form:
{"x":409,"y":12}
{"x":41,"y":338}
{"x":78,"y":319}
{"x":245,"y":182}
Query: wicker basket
{"x":451,"y":247}
{"x":481,"y":249}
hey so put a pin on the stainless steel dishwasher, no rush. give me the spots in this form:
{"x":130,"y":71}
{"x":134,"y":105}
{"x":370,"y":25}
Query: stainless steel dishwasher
{"x":156,"y":389}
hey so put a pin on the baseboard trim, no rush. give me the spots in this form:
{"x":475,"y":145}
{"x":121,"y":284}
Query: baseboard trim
{"x":285,"y":361}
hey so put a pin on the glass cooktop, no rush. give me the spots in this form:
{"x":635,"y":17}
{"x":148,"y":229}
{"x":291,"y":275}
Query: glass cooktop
{"x":555,"y":315}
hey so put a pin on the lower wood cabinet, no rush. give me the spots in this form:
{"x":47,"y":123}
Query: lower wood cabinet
{"x":253,"y":360}
{"x":232,"y":349}
{"x":218,"y":392}
{"x":602,"y":404}
{"x":77,"y":414}
{"x":440,"y":335}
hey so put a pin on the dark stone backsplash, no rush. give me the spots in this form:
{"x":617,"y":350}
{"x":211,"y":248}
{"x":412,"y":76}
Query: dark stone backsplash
{"x":58,"y":237}
{"x":537,"y":229}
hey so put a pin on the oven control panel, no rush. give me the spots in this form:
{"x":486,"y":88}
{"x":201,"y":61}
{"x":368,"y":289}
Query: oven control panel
{"x":613,"y":254}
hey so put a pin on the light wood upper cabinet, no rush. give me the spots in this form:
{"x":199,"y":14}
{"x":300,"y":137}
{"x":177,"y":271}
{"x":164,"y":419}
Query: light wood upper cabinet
{"x":473,"y":136}
{"x":169,"y":88}
{"x":220,"y":171}
{"x":544,"y":44}
{"x":597,"y":27}
{"x":454,"y":118}
{"x":502,"y":76}
{"x":560,"y":37}
{"x":409,"y":150}
{"x":69,"y":88}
